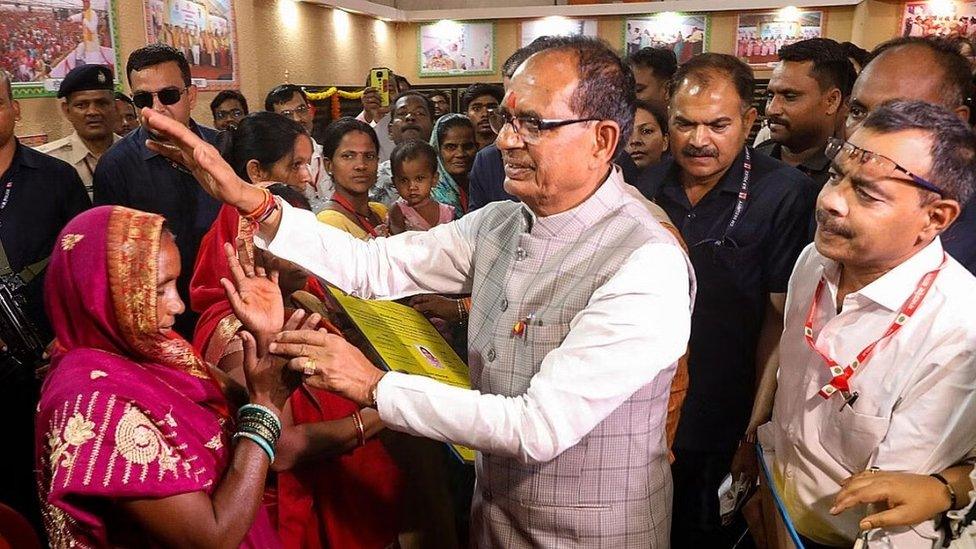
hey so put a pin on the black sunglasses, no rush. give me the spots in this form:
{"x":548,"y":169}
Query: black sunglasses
{"x":167,"y":96}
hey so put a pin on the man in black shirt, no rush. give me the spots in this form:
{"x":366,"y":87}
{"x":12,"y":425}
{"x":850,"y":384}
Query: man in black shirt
{"x":744,"y":218}
{"x":131,"y":175}
{"x":805,"y":104}
{"x":926,"y":69}
{"x":39,"y":194}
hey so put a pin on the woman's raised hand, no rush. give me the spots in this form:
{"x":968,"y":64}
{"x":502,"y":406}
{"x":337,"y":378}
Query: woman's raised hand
{"x":254,"y":296}
{"x":202,"y":159}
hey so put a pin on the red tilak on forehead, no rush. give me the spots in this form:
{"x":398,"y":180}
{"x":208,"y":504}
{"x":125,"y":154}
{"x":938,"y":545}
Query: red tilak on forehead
{"x":510,"y":102}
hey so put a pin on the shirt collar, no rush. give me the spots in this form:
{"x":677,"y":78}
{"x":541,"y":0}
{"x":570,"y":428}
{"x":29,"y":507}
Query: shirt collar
{"x":22,"y":157}
{"x":573,"y":222}
{"x":893,"y":288}
{"x":731,"y":181}
{"x":818,"y":163}
{"x":143,"y":135}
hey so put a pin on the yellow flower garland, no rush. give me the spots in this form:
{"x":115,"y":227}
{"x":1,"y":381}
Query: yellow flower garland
{"x":322,"y":95}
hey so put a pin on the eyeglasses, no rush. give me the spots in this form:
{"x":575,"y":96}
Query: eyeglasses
{"x":233,"y":113}
{"x":167,"y":96}
{"x":852,"y":159}
{"x":529,"y":128}
{"x":300,"y":110}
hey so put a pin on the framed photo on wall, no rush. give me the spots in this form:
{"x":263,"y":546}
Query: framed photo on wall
{"x":456,"y":48}
{"x":939,"y":19}
{"x":684,"y":33}
{"x":759,"y":36}
{"x":204,"y":30}
{"x":44,"y":40}
{"x":557,"y":26}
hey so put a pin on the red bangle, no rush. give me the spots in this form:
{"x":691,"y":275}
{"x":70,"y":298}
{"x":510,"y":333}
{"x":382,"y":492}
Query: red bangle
{"x":272,"y":207}
{"x":260,"y":208}
{"x":357,"y":418}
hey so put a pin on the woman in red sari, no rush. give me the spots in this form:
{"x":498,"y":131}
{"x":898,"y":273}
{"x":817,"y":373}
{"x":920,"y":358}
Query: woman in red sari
{"x":336,"y":485}
{"x":135,"y":439}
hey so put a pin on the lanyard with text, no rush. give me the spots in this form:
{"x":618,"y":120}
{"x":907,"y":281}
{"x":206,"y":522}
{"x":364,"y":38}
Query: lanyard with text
{"x":740,"y":202}
{"x":363,"y":220}
{"x":842,"y":376}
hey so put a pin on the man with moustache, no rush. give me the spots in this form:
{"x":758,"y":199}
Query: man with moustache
{"x":894,"y":73}
{"x":132,"y":175}
{"x":744,"y":218}
{"x":88,"y":102}
{"x":878,"y":354}
{"x":411,"y":117}
{"x":805,"y":104}
{"x":580,"y":309}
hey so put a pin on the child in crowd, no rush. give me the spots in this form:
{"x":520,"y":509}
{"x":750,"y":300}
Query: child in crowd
{"x":414,"y":166}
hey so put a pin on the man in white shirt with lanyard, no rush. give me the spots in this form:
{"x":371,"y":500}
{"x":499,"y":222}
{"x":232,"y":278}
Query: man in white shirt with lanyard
{"x":878,"y":354}
{"x":580,"y":310}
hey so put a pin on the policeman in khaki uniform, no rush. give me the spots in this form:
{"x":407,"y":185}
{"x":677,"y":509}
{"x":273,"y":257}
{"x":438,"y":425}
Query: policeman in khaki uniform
{"x":88,"y":102}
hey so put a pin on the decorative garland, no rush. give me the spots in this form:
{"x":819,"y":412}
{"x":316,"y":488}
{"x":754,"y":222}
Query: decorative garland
{"x":334,"y":93}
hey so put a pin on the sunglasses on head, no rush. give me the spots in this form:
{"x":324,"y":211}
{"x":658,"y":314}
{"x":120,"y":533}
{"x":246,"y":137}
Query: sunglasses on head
{"x":167,"y":96}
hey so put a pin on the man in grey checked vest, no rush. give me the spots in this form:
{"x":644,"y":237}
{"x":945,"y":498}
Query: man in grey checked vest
{"x":581,"y":308}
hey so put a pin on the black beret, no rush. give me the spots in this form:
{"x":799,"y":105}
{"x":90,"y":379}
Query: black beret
{"x":87,"y":77}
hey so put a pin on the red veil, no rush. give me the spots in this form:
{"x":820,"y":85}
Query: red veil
{"x":349,"y":501}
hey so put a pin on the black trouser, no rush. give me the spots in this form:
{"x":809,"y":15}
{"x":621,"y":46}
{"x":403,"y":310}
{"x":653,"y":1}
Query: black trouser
{"x":695,"y":519}
{"x":18,"y":400}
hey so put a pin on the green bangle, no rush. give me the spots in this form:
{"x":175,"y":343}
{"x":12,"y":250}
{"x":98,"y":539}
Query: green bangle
{"x":261,"y":431}
{"x":260,"y":420}
{"x":258,"y":410}
{"x":259,"y":440}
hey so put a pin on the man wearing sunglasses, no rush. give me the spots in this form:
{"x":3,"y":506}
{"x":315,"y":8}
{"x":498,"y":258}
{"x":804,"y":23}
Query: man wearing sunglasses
{"x":289,"y":101}
{"x":878,"y":354}
{"x":131,"y":175}
{"x":745,"y":218}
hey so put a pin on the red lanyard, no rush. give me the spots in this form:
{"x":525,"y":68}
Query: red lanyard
{"x":842,"y":376}
{"x":363,"y":220}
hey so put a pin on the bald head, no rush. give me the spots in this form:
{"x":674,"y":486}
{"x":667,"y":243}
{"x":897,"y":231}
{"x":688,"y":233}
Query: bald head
{"x":895,"y":74}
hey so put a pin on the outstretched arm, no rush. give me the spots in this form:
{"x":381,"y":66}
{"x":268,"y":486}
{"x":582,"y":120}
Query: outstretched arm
{"x":436,"y":261}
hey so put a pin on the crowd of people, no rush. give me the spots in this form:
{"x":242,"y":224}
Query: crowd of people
{"x":650,"y":305}
{"x":34,"y":43}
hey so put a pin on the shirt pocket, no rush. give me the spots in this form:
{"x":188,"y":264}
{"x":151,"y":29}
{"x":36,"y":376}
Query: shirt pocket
{"x":851,"y":437}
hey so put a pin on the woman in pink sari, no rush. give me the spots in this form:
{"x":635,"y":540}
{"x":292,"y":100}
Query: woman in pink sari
{"x":135,"y":439}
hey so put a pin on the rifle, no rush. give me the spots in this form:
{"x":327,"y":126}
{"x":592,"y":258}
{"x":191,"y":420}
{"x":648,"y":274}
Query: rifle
{"x":24,"y":343}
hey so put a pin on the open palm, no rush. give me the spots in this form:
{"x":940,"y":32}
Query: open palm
{"x":254,"y":296}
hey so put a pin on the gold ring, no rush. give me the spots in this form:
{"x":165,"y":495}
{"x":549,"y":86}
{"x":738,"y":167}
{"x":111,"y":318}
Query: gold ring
{"x":309,"y":369}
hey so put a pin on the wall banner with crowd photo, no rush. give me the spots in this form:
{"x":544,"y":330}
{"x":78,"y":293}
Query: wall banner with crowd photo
{"x":557,"y":26}
{"x":204,"y":30}
{"x":761,"y":35}
{"x":686,"y":34}
{"x":456,"y":48}
{"x":956,"y":18}
{"x":44,"y":39}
